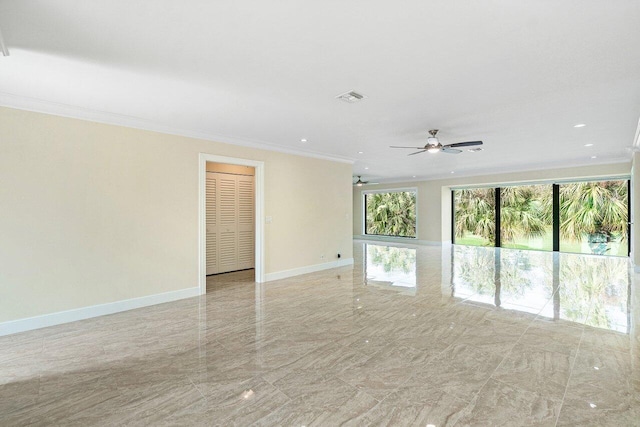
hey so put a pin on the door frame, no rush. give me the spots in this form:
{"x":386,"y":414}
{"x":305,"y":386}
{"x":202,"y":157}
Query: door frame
{"x":202,"y":217}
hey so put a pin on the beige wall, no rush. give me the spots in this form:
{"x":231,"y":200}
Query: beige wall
{"x":434,"y":202}
{"x":93,"y":213}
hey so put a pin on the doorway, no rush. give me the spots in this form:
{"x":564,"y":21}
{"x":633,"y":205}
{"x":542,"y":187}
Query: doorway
{"x":258,"y":189}
{"x":230,"y":218}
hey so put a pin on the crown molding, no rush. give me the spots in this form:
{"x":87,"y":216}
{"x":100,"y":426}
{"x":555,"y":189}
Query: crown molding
{"x":64,"y":110}
{"x":502,"y":170}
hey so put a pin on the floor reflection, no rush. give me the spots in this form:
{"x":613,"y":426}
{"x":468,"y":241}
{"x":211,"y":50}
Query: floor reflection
{"x":591,"y":290}
{"x":426,"y":335}
{"x":390,"y":267}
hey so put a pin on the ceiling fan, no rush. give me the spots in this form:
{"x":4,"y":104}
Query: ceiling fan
{"x":434,"y":146}
{"x":360,"y":182}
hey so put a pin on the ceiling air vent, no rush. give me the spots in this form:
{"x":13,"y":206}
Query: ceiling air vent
{"x":351,"y":97}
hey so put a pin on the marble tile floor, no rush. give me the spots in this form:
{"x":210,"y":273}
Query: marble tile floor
{"x":423,"y":336}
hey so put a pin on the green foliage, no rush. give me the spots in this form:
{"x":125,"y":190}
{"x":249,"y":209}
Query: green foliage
{"x":594,"y":208}
{"x":596,"y":211}
{"x":526,"y":211}
{"x":391,"y":214}
{"x":475,"y":213}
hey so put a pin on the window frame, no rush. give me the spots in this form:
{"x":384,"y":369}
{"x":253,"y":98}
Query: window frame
{"x":384,"y":191}
{"x":556,"y":205}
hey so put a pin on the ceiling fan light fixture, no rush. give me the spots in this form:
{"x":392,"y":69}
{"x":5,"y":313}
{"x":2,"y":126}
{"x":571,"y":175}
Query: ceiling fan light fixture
{"x":432,"y":140}
{"x":433,"y":149}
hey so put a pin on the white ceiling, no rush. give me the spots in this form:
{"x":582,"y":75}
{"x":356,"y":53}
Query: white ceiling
{"x":517,"y":75}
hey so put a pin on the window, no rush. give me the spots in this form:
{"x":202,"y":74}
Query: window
{"x":475,"y":216}
{"x":593,"y":217}
{"x":582,"y":217}
{"x":526,"y":217}
{"x":390,"y":213}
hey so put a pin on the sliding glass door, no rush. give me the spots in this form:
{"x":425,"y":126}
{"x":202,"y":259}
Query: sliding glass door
{"x":594,"y":217}
{"x":579,"y":217}
{"x":475,"y":216}
{"x":526,"y":217}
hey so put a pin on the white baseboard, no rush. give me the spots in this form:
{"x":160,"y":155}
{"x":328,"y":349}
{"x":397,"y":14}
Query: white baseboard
{"x":308,"y":269}
{"x":398,"y":240}
{"x":37,"y":322}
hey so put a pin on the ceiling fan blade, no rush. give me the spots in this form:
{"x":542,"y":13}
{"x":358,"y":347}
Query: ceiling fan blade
{"x":449,"y":150}
{"x":464,"y":144}
{"x":417,"y":152}
{"x":415,"y":148}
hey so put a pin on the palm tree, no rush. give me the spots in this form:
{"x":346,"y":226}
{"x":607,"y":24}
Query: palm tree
{"x":475,"y":213}
{"x":525,"y":212}
{"x":597,"y":210}
{"x":391,"y":214}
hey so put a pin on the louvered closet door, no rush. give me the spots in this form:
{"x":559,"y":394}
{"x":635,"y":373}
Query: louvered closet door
{"x":227,"y":203}
{"x":212,"y":226}
{"x":246,"y":247}
{"x":230,"y":223}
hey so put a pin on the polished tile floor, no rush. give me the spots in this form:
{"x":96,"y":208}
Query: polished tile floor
{"x":423,"y":336}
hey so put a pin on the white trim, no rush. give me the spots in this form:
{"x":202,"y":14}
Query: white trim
{"x":595,"y":178}
{"x":636,"y":138}
{"x":307,"y":269}
{"x":64,"y":110}
{"x":430,"y":243}
{"x":480,"y":173}
{"x":397,"y":240}
{"x":52,"y":319}
{"x":203,"y":158}
{"x":392,"y":190}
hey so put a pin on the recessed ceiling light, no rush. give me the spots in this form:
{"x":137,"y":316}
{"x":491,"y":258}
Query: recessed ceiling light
{"x":303,"y":140}
{"x":588,"y":145}
{"x":594,"y":157}
{"x":579,"y":125}
{"x":366,"y":168}
{"x":414,"y":176}
{"x":360,"y":152}
{"x":452,"y":172}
